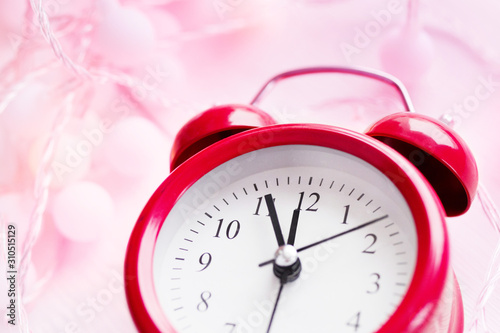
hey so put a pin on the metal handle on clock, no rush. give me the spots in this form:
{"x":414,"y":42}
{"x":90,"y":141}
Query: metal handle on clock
{"x":368,"y":73}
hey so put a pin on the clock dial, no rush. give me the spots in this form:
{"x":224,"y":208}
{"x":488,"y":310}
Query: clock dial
{"x":350,"y":227}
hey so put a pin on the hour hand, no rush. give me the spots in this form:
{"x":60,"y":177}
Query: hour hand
{"x":274,"y":219}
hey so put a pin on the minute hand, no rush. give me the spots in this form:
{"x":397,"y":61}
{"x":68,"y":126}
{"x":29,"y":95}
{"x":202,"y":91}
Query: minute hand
{"x":333,"y":237}
{"x":343,"y":233}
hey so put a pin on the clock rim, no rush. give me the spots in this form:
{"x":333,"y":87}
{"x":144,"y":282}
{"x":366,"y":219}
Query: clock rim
{"x":432,"y":264}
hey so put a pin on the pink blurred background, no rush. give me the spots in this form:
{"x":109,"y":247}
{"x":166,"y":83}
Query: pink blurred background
{"x":92,"y":94}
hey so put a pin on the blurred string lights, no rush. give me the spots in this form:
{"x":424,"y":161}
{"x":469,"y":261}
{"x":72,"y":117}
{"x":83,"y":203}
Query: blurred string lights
{"x":74,"y":70}
{"x":54,"y":114}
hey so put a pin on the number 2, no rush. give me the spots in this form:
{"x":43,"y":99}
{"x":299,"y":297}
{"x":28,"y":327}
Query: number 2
{"x":374,"y":240}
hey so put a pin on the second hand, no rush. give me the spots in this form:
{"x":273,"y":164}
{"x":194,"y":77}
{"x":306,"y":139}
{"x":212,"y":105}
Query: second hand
{"x":275,"y":306}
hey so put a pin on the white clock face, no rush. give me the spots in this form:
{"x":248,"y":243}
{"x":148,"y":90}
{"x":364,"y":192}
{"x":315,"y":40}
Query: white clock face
{"x":354,"y":236}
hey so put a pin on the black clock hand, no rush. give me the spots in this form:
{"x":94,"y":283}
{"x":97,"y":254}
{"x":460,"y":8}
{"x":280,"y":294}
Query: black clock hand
{"x":293,"y":226}
{"x":274,"y":219}
{"x":287,"y":265}
{"x":275,"y":306}
{"x":343,"y":233}
{"x":332,"y":237}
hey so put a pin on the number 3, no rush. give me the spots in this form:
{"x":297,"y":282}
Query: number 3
{"x":375,"y":283}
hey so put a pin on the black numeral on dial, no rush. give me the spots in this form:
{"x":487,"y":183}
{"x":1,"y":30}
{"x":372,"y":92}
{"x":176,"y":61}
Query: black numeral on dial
{"x":259,"y":202}
{"x":311,"y":208}
{"x":205,"y":260}
{"x":232,"y":229}
{"x":346,"y":212}
{"x":375,"y":285}
{"x":354,"y":321}
{"x":203,"y":305}
{"x":231,"y":327}
{"x":373,"y":241}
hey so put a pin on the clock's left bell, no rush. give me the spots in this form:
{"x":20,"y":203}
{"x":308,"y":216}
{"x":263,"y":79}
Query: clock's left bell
{"x":214,"y":125}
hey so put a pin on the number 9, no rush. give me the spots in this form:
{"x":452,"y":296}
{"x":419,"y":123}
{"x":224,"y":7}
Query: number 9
{"x":205,"y":260}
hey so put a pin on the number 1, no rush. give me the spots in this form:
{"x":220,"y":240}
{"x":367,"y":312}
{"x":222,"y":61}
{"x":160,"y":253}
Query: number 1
{"x":346,"y":212}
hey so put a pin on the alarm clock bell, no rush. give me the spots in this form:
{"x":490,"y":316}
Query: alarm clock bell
{"x":432,"y":147}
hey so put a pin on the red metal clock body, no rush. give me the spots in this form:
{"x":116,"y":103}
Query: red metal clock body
{"x":208,"y":252}
{"x":432,"y":302}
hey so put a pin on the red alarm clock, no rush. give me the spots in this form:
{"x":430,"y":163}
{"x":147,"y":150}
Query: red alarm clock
{"x":263,"y":227}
